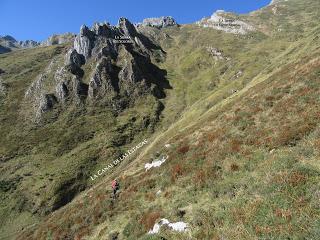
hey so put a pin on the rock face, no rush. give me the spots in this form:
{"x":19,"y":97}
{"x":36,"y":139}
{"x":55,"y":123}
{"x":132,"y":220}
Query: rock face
{"x":84,"y":42}
{"x":102,"y":81}
{"x":226,"y":22}
{"x":159,"y":22}
{"x":58,"y":39}
{"x":122,"y":72}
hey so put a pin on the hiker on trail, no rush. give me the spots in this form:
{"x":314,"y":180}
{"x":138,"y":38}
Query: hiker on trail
{"x":115,"y":187}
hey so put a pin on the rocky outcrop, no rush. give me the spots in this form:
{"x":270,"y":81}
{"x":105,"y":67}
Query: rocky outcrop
{"x":102,"y":81}
{"x":28,"y":44}
{"x":84,"y":42}
{"x":160,"y":22}
{"x":37,"y":95}
{"x":126,"y":27}
{"x":123,"y":70}
{"x":57,"y":39}
{"x":46,"y":103}
{"x":226,"y":22}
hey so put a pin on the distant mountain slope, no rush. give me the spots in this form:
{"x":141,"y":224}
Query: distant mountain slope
{"x":8,"y":43}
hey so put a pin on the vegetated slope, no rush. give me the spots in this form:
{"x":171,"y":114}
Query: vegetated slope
{"x":61,"y":123}
{"x":243,"y":154}
{"x":243,"y":158}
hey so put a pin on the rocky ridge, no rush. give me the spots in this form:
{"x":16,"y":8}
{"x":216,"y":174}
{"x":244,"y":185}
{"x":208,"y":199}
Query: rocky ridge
{"x":123,"y":70}
{"x":8,"y":43}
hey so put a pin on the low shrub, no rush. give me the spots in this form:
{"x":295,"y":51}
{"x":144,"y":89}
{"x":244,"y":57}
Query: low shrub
{"x":149,"y":219}
{"x":176,"y":171}
{"x":184,"y":149}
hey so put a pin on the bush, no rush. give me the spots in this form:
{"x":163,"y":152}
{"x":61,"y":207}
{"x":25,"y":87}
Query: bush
{"x":234,"y":167}
{"x":184,"y":149}
{"x":200,"y":178}
{"x":149,"y":219}
{"x":176,"y":171}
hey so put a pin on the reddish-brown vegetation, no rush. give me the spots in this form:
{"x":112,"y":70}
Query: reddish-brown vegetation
{"x":234,"y":167}
{"x":184,"y":149}
{"x":176,"y":171}
{"x":149,"y":219}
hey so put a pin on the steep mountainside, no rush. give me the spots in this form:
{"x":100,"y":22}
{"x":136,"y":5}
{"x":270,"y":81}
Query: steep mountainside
{"x":230,"y":110}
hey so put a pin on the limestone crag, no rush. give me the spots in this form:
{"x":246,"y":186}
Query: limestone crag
{"x":58,"y":39}
{"x":160,"y":22}
{"x":101,"y":81}
{"x":123,"y":70}
{"x":104,"y":39}
{"x":226,"y":22}
{"x":37,"y":94}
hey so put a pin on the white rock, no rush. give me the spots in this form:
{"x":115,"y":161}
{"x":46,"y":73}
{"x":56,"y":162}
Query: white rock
{"x":156,"y":163}
{"x":219,"y":21}
{"x":155,"y":229}
{"x":177,"y":226}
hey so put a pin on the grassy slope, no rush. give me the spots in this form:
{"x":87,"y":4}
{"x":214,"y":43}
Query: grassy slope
{"x":43,"y":164}
{"x":246,"y":189}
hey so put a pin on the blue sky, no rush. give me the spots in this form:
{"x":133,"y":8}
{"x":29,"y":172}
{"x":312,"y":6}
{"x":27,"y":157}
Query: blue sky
{"x":38,"y":19}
